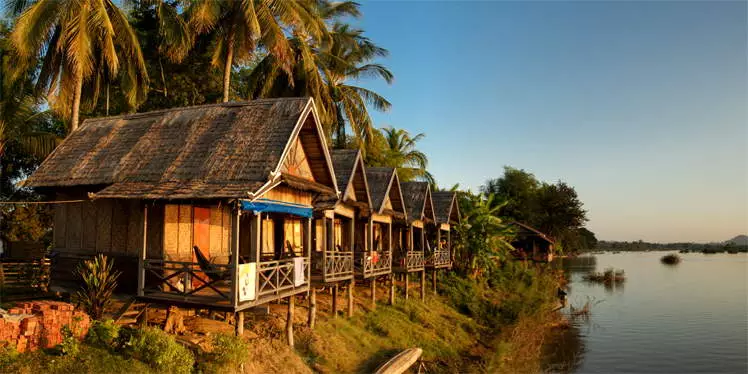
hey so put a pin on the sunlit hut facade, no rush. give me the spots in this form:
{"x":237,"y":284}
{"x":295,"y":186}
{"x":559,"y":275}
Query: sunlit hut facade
{"x":447,"y":214}
{"x":421,"y":229}
{"x":388,"y":227}
{"x":207,"y":206}
{"x":341,"y":228}
{"x":532,"y":243}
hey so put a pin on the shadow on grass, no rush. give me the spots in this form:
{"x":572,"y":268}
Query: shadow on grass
{"x":377,"y":359}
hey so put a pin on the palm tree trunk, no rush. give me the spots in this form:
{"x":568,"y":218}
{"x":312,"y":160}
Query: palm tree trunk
{"x":163,"y":77}
{"x":227,"y":68}
{"x":76,"y":102}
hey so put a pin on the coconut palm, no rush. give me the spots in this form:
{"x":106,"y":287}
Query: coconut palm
{"x":80,"y":42}
{"x":240,"y":26}
{"x":397,"y":149}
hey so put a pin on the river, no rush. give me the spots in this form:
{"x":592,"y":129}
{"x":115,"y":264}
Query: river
{"x":688,"y":318}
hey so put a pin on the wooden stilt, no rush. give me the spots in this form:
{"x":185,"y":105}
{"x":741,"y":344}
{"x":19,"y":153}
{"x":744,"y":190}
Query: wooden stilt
{"x":392,"y":289}
{"x":239,"y":328}
{"x":433,"y":281}
{"x":405,"y":279}
{"x":289,"y":320}
{"x":350,"y":298}
{"x":335,"y":301}
{"x":312,"y":307}
{"x":423,"y":285}
{"x":373,"y":293}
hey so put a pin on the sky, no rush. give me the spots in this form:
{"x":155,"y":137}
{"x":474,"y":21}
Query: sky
{"x":641,"y":106}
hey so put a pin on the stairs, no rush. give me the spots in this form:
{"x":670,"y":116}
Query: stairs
{"x":130,"y":312}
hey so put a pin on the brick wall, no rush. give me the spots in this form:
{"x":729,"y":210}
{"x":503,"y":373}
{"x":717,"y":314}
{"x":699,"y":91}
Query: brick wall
{"x":38,"y":324}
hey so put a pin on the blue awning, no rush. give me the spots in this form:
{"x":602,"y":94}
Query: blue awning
{"x":273,"y":206}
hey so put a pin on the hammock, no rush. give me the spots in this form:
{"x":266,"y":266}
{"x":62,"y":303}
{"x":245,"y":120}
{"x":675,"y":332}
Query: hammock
{"x":213,"y":272}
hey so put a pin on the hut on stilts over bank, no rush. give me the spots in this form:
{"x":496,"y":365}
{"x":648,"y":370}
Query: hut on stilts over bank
{"x":447,"y":214}
{"x":387,"y":229}
{"x":207,"y":207}
{"x":530,"y":243}
{"x":340,"y":230}
{"x":421,"y":228}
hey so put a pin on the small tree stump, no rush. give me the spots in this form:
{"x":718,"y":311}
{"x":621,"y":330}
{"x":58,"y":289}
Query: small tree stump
{"x":174,"y":321}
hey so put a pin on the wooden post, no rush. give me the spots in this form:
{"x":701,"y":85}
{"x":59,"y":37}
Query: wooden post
{"x":392,"y":289}
{"x":405,"y":277}
{"x":234,"y":245}
{"x":423,"y":285}
{"x":350,"y":298}
{"x":335,"y":301}
{"x":373,"y":293}
{"x":255,"y":235}
{"x":308,"y":254}
{"x":143,"y":253}
{"x":433,"y":280}
{"x":312,"y":307}
{"x":289,"y":320}
{"x":239,"y":318}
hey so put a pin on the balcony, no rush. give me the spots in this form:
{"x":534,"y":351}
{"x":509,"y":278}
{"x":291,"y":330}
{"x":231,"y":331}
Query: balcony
{"x":332,"y":266}
{"x":373,"y":264}
{"x":410,"y":261}
{"x":439,"y":259}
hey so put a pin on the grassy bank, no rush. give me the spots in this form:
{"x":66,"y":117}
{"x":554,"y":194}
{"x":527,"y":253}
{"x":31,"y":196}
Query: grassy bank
{"x":496,"y":324}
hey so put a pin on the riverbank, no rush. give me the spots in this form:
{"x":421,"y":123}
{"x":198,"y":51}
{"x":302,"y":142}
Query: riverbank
{"x":497,"y":324}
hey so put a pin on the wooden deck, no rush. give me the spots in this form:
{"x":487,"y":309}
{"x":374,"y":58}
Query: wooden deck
{"x":440,"y":259}
{"x":367,"y":266}
{"x":409,"y":262}
{"x":331,"y":266}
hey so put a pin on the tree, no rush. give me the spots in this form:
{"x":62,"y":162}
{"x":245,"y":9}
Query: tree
{"x":324,"y":68}
{"x":519,"y":189}
{"x":559,"y":210}
{"x":238,"y":26}
{"x":80,"y":42}
{"x":395,"y":148}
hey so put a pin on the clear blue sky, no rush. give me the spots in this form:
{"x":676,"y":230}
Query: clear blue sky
{"x":639,"y":105}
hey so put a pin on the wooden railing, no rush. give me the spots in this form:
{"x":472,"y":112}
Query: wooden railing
{"x":338,"y":265}
{"x":411,"y":260}
{"x":370,"y":265}
{"x":187,"y":280}
{"x":440,"y":258}
{"x":275,"y":277}
{"x":22,"y":276}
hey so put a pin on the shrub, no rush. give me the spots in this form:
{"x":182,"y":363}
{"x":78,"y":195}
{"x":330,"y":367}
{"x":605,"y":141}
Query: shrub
{"x":9,"y":360}
{"x":70,"y":345}
{"x":99,"y":281}
{"x":228,"y":353}
{"x":671,"y":259}
{"x":103,"y":334}
{"x":157,"y":349}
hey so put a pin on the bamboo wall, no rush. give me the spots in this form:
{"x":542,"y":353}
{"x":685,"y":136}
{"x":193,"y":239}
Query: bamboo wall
{"x":207,"y":227}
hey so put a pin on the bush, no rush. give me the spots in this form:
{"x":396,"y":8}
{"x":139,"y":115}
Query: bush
{"x":99,"y":281}
{"x":9,"y":360}
{"x":228,"y":353}
{"x":157,"y":349}
{"x":671,"y":259}
{"x":103,"y":334}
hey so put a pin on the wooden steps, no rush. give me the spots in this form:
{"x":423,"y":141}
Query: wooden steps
{"x":130,"y":312}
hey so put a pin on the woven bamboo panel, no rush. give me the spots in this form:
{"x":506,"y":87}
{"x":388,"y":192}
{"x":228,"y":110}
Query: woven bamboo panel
{"x":155,"y":235}
{"x":88,"y":229}
{"x":119,"y":226}
{"x":60,"y":237}
{"x":103,"y":225}
{"x":135,"y":228}
{"x":171,"y":232}
{"x":225,"y":230}
{"x":216,"y":231}
{"x":74,"y":223}
{"x":184,"y":245}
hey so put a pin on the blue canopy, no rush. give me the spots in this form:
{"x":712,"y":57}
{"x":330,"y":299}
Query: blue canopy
{"x":272,"y":206}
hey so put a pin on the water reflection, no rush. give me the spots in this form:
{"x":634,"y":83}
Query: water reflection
{"x":564,"y":351}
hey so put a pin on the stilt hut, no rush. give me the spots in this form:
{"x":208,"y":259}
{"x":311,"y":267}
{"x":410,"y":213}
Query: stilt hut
{"x":421,"y":221}
{"x":530,"y":243}
{"x":207,"y":206}
{"x":447,"y":214}
{"x":340,"y":225}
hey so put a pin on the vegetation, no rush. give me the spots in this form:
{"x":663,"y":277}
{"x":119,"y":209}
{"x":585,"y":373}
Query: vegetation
{"x":670,"y":259}
{"x":640,"y":245}
{"x":609,"y":276}
{"x":98,"y":279}
{"x":554,"y":209}
{"x":395,"y":148}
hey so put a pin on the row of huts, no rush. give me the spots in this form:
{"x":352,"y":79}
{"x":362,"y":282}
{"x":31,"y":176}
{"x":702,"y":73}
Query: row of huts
{"x":235,"y":205}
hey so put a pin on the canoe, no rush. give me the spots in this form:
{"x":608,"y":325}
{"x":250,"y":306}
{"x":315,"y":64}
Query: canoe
{"x":401,"y":362}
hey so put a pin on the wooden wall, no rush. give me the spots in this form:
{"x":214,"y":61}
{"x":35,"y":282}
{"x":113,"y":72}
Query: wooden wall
{"x":182,"y":231}
{"x":289,"y":195}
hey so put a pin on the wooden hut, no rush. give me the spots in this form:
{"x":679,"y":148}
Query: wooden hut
{"x":207,"y":206}
{"x":447,"y":214}
{"x":421,"y":231}
{"x":340,"y":226}
{"x":532,"y":243}
{"x":387,"y":225}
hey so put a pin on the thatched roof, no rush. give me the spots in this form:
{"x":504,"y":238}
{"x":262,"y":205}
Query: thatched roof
{"x":527,"y":230}
{"x":383,"y":182}
{"x":351,"y":173}
{"x":418,"y":196}
{"x":209,"y":151}
{"x":445,"y":206}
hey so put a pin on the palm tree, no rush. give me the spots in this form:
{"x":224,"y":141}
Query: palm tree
{"x":323,"y":69}
{"x":397,"y":149}
{"x":239,"y":26}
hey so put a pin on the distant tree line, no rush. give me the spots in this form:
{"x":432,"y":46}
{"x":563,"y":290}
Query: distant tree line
{"x":639,"y":245}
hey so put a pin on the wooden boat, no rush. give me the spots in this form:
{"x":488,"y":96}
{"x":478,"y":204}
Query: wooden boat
{"x":401,"y":362}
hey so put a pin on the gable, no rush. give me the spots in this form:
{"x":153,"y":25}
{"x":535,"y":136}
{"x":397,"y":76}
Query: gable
{"x":395,"y":196}
{"x":296,"y":162}
{"x":428,"y":209}
{"x":454,"y":211}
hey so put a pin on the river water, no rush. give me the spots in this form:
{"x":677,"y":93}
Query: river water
{"x":687,"y":318}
